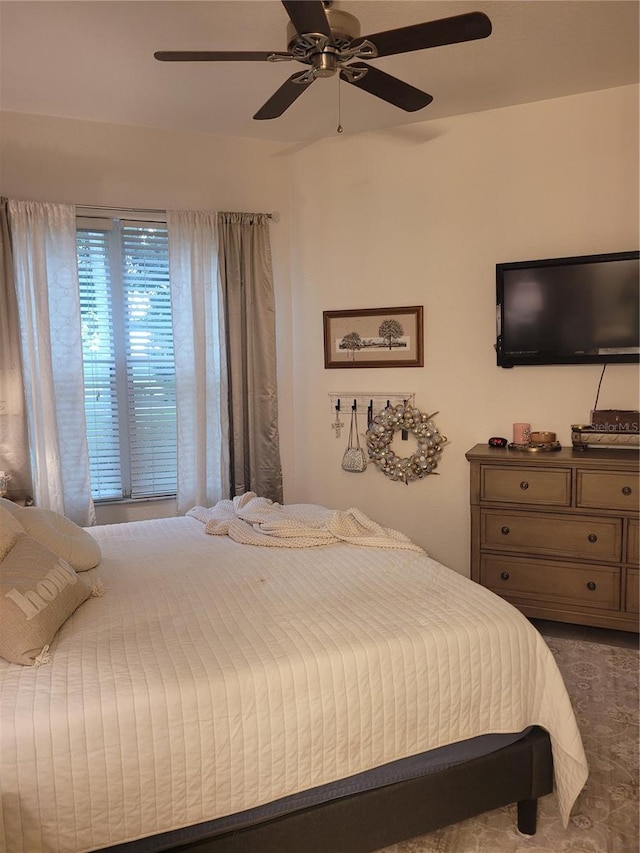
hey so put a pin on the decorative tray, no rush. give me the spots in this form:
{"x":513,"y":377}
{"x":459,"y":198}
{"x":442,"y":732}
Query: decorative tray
{"x":533,"y":448}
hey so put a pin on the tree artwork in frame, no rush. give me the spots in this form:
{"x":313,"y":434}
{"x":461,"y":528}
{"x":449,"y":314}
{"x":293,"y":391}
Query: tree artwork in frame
{"x":374,"y":337}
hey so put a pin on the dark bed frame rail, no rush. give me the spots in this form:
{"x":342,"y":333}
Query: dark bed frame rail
{"x":368,"y":821}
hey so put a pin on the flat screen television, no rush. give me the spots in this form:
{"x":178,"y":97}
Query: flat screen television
{"x":582,"y":310}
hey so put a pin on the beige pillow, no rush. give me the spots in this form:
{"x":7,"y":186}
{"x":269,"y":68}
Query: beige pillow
{"x":10,"y":505}
{"x":61,"y":535}
{"x":38,"y":593}
{"x":10,"y":529}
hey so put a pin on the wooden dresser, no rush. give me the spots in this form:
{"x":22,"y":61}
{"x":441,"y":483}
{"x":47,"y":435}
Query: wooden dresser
{"x":556,"y":532}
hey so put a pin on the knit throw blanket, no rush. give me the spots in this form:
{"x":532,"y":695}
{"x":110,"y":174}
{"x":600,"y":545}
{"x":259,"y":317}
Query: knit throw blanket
{"x":259,"y":521}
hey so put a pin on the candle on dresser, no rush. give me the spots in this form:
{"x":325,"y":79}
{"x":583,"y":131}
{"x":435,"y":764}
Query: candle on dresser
{"x":521,"y":433}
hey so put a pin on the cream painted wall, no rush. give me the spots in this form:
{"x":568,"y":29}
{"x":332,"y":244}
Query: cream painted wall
{"x":413,"y":215}
{"x":63,"y":160}
{"x":421,"y":215}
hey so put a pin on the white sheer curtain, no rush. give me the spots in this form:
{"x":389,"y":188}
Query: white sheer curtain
{"x":200,"y":360}
{"x":46,"y":278}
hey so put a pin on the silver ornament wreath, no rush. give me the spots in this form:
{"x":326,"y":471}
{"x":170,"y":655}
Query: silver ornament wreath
{"x":380,"y":437}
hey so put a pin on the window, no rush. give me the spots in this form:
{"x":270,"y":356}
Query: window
{"x":127,"y":345}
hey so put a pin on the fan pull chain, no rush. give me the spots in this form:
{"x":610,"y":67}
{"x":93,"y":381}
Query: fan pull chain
{"x":339,"y":128}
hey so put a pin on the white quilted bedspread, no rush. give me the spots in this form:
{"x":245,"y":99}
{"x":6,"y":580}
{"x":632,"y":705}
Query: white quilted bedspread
{"x":215,"y":676}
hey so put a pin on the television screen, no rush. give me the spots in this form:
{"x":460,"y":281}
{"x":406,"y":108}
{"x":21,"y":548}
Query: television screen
{"x":569,"y":310}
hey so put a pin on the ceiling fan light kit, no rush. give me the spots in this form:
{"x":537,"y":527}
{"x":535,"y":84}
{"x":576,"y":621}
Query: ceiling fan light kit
{"x":328,"y":40}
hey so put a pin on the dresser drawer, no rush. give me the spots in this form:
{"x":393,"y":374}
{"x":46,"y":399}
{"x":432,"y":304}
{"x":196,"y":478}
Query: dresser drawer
{"x":608,"y":490}
{"x":561,"y":583}
{"x":632,"y":598}
{"x":576,"y":536}
{"x":633,"y":546}
{"x":550,"y":487}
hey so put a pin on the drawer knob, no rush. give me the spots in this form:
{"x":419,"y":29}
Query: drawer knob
{"x":505,"y":576}
{"x":591,"y":586}
{"x":505,"y":531}
{"x":592,"y":537}
{"x":626,"y":490}
{"x":524,"y":485}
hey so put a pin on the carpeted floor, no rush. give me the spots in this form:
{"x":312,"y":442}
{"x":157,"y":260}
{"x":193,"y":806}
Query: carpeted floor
{"x":602,"y":681}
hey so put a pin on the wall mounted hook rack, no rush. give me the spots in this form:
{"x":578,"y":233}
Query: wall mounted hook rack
{"x":365,"y":400}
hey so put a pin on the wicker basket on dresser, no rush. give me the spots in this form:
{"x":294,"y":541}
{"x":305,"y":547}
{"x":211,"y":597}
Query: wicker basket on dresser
{"x":556,"y":532}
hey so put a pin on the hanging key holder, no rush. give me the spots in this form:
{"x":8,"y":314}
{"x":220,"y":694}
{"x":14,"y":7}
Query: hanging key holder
{"x":337,"y":424}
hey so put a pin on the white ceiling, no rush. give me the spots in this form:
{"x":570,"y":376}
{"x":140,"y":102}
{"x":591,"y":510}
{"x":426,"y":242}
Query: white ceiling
{"x":90,"y":59}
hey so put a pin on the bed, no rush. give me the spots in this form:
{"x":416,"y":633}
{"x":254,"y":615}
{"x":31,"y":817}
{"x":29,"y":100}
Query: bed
{"x":225,"y":696}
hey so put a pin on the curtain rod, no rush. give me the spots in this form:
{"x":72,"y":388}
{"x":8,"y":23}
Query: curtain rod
{"x":274,"y":215}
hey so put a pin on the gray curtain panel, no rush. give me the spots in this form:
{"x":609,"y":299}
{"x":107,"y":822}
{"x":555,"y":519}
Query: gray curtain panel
{"x":246,"y":277}
{"x":14,"y":442}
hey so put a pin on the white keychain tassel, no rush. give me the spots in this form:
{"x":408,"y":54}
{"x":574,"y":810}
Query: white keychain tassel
{"x":43,"y":658}
{"x":97,"y":590}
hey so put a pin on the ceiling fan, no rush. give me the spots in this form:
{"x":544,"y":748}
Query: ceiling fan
{"x":328,"y":40}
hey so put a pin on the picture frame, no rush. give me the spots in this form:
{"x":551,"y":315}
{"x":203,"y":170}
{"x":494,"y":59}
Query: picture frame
{"x":374,"y":337}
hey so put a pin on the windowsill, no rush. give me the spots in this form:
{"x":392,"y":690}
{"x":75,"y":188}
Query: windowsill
{"x":135,"y":509}
{"x":122,"y":501}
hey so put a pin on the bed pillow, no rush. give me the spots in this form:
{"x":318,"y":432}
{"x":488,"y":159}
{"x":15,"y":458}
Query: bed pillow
{"x":10,"y":505}
{"x":61,"y":535}
{"x":10,"y":529}
{"x":38,"y":592}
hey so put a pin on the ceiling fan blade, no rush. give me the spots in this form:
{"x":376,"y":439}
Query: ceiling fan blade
{"x":459,"y":28}
{"x":214,"y":55}
{"x":389,"y":88}
{"x":282,"y":99}
{"x":308,"y":16}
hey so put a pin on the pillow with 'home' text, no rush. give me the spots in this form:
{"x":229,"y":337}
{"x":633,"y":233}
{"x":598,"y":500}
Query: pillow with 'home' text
{"x":38,"y":592}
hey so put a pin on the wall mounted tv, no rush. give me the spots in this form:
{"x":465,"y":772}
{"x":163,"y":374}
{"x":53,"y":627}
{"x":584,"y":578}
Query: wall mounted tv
{"x":583,"y":310}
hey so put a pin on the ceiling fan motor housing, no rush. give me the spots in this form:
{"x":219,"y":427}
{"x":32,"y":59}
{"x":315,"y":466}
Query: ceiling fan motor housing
{"x":344,"y":28}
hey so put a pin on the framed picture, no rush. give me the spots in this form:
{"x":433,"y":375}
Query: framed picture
{"x":374,"y":337}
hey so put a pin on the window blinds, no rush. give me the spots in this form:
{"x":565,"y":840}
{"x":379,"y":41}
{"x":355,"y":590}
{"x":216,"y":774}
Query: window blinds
{"x":128,"y":357}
